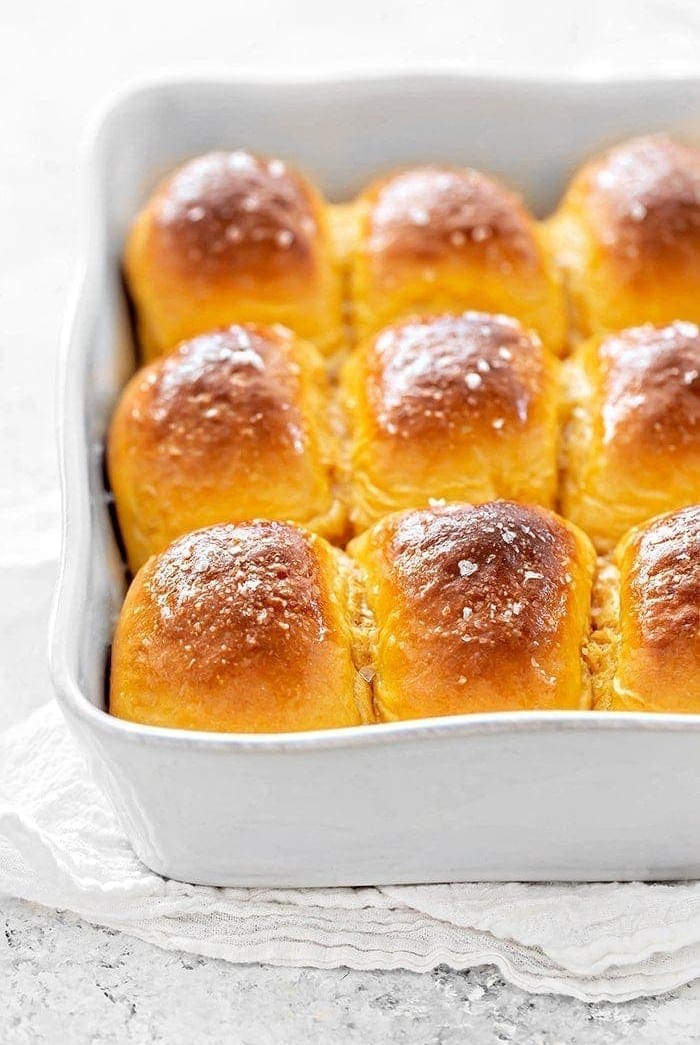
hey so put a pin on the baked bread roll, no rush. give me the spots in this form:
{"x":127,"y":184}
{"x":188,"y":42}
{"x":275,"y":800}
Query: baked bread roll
{"x":443,"y":239}
{"x":247,"y":629}
{"x":230,"y":426}
{"x":477,"y":608}
{"x":632,"y":439}
{"x":233,"y":237}
{"x":648,"y":626}
{"x":456,"y":407}
{"x":627,"y":236}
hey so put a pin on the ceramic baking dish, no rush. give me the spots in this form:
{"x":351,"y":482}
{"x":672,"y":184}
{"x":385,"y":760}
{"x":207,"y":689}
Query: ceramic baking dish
{"x":505,"y":796}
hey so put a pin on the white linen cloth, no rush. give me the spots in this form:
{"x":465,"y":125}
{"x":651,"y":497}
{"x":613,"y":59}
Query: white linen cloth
{"x":61,"y":845}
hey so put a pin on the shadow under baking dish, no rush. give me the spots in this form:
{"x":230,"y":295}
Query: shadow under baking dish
{"x":529,"y":795}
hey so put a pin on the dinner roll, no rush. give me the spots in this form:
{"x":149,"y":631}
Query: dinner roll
{"x":233,"y":237}
{"x":456,"y":407}
{"x":248,"y":628}
{"x":436,"y":239}
{"x":651,"y":619}
{"x":477,"y":608}
{"x":632,"y":439}
{"x":627,"y":236}
{"x":230,"y":426}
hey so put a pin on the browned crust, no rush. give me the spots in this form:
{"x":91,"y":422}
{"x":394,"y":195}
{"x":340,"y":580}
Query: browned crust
{"x":449,"y":373}
{"x":662,"y":586}
{"x":231,"y":392}
{"x":652,"y":388}
{"x":491,"y":581}
{"x":427,"y":213}
{"x":232,"y":599}
{"x":237,"y":216}
{"x":643,"y":198}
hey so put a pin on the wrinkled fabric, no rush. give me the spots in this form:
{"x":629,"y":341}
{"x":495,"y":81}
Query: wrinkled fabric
{"x":61,"y":845}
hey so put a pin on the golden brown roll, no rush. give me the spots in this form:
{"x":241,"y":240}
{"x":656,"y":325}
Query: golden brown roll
{"x":443,"y":239}
{"x":233,"y":237}
{"x":462,"y":408}
{"x":477,"y":608}
{"x":632,"y":439}
{"x":248,"y":629}
{"x":649,"y":627}
{"x":230,"y":426}
{"x":627,"y":236}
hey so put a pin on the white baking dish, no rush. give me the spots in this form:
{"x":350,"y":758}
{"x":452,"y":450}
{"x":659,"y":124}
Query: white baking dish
{"x":508,"y":796}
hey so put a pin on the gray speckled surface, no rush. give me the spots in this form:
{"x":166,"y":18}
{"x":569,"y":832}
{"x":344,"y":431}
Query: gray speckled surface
{"x":62,"y":980}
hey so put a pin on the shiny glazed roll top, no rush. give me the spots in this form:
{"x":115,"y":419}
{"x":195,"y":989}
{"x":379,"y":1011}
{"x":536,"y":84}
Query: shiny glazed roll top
{"x":632,"y":439}
{"x":246,"y":628}
{"x":233,"y":237}
{"x":450,"y":407}
{"x":627,"y":236}
{"x":654,"y":618}
{"x":444,"y":239}
{"x":230,"y":426}
{"x":477,"y":608}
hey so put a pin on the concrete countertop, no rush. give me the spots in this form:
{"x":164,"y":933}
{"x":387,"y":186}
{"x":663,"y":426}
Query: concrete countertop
{"x":62,"y":980}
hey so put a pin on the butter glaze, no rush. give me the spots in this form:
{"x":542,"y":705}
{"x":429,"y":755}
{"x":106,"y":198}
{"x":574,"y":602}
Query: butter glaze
{"x":235,"y":213}
{"x":446,"y":373}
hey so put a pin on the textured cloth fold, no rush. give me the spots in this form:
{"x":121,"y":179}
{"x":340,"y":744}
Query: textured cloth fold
{"x":61,"y":845}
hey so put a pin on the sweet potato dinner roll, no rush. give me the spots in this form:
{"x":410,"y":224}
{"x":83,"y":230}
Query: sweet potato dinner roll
{"x":249,"y":628}
{"x":230,"y":426}
{"x":443,"y":239}
{"x":456,"y":407}
{"x":477,"y":608}
{"x":232,"y":237}
{"x":632,"y":439}
{"x":627,"y":236}
{"x":649,"y":619}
